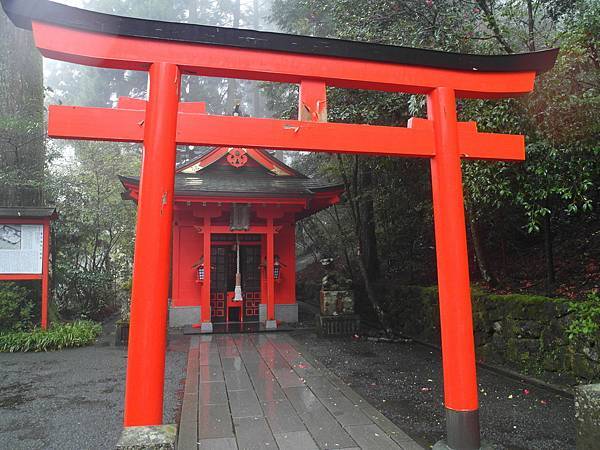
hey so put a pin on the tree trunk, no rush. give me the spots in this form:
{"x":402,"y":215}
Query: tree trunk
{"x":232,"y":83}
{"x":256,"y":104}
{"x":22,"y":151}
{"x":492,"y":23}
{"x":549,"y":253}
{"x":368,"y":238}
{"x":530,"y":27}
{"x":358,"y":232}
{"x":374,"y":299}
{"x":480,"y":258}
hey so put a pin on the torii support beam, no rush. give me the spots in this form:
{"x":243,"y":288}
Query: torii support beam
{"x":168,"y":49}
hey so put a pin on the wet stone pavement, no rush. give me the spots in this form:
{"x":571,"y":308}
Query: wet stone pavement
{"x":404,"y":381}
{"x":73,"y":399}
{"x":258,"y":391}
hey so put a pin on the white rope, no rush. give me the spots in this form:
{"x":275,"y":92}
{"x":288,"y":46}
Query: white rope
{"x":237,"y":296}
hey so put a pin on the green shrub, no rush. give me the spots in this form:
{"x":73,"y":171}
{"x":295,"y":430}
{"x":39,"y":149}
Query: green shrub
{"x":59,"y":336}
{"x":16,"y":307}
{"x":586,"y":317}
{"x":90,"y":294}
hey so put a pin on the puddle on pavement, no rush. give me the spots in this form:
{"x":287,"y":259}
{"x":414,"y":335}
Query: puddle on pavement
{"x":14,"y":394}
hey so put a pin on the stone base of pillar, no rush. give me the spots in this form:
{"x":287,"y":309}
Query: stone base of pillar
{"x":441,"y":445}
{"x":271,"y":324}
{"x":587,"y":416}
{"x":206,"y":327}
{"x":157,"y":437}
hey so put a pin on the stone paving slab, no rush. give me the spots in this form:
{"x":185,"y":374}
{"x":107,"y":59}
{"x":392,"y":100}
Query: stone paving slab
{"x":263,"y":391}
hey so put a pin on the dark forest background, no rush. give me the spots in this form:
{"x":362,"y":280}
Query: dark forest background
{"x":532,"y":226}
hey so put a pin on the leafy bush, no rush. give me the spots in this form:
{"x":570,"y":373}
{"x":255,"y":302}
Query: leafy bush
{"x":586,"y":317}
{"x":75,"y":334}
{"x":85,"y":293}
{"x":16,"y":307}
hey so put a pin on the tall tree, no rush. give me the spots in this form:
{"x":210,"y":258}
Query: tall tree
{"x":22,"y":149}
{"x":555,"y":188}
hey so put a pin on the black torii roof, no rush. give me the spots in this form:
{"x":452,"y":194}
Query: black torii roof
{"x":23,"y":12}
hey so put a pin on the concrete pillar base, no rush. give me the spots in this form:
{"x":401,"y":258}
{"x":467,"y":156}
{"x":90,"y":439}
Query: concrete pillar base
{"x":271,"y":324}
{"x":441,"y":445}
{"x":587,"y":416}
{"x":157,"y":437}
{"x":206,"y":327}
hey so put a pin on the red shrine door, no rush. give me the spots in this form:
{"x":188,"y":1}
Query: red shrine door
{"x":222,"y":282}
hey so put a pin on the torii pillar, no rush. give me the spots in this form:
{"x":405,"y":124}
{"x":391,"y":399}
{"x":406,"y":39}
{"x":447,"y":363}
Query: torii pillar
{"x":152,"y":257}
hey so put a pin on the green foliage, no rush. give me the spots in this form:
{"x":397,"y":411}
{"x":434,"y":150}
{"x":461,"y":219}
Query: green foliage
{"x":93,"y":240}
{"x":76,"y":334}
{"x":554,"y":191}
{"x":586,"y":317}
{"x":16,"y":307}
{"x":85,"y":293}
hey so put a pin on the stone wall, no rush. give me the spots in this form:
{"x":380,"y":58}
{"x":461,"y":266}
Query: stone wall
{"x":522,"y":332}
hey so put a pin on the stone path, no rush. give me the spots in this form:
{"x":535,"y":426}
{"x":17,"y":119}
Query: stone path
{"x":261,"y":391}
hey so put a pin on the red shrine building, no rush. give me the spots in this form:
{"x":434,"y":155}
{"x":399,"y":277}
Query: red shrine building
{"x":229,"y":198}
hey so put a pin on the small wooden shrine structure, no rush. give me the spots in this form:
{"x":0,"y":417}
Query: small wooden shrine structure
{"x":25,"y":247}
{"x":229,"y":197}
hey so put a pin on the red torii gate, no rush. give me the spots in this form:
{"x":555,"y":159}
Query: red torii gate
{"x":166,"y":50}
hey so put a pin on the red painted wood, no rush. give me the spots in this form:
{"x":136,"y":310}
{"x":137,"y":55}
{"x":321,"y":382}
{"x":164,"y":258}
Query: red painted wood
{"x":140,"y":105}
{"x":205,"y":313}
{"x":189,"y":247}
{"x":285,"y":248}
{"x":69,"y":122}
{"x":287,"y":204}
{"x":269,"y":270}
{"x":441,"y":138}
{"x":312,"y":105}
{"x":458,"y":350}
{"x":268,"y":163}
{"x":475,"y":145}
{"x":207,"y":159}
{"x":147,"y":334}
{"x":45,"y":274}
{"x":120,"y":52}
{"x":20,"y":276}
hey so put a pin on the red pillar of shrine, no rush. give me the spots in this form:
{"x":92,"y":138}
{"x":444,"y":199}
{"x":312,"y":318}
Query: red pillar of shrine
{"x":45,"y":274}
{"x":271,"y":322}
{"x":458,"y":351}
{"x":205,"y":323}
{"x":148,"y":321}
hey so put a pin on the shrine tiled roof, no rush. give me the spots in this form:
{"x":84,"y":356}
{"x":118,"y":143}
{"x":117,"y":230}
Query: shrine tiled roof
{"x":224,"y":180}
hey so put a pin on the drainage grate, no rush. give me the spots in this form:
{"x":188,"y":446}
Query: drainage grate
{"x":338,"y":325}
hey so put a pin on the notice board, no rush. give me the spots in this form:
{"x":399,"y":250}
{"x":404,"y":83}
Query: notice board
{"x":21,"y":248}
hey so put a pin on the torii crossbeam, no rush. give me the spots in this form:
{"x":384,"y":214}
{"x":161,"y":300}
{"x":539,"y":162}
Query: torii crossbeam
{"x":167,"y":50}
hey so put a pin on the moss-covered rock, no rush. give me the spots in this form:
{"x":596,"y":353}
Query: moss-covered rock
{"x":525,"y":332}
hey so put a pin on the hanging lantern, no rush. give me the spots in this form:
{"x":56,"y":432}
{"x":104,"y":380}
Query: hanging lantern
{"x":276,"y":268}
{"x":199,"y":268}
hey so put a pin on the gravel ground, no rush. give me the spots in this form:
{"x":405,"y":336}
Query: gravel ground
{"x":404,"y":381}
{"x":73,"y":399}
